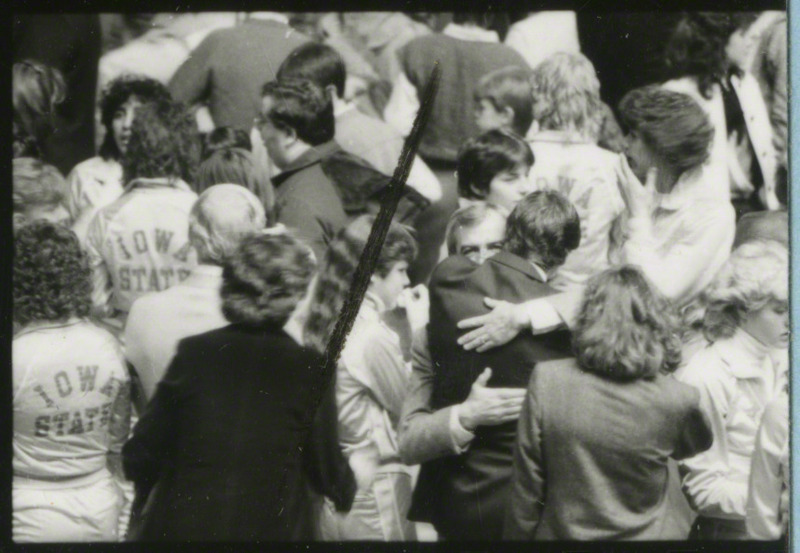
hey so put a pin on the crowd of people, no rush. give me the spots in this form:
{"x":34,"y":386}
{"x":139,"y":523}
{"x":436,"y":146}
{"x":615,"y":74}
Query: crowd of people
{"x":577,"y":323}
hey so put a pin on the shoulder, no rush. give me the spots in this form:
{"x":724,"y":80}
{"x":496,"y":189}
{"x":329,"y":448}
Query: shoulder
{"x":706,"y":369}
{"x":454,"y":268}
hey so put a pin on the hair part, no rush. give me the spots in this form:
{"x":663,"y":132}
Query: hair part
{"x":672,"y":124}
{"x":265,"y":279}
{"x":303,"y":107}
{"x":544,"y":225}
{"x":484,"y":157}
{"x":509,"y":87}
{"x":338,"y":269}
{"x":51,"y":275}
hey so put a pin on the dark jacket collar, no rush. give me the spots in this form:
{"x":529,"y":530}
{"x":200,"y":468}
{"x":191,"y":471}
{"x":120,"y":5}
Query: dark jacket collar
{"x":310,"y":157}
{"x":517,"y":263}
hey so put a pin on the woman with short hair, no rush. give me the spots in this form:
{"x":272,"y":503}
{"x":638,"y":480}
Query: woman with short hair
{"x":71,"y":397}
{"x":223,"y":451}
{"x":596,"y":431}
{"x":746,"y":323}
{"x":371,"y":382}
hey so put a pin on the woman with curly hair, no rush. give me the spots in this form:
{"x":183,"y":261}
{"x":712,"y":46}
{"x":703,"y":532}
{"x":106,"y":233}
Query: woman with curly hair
{"x":97,"y":181}
{"x":235,"y":165}
{"x":371,"y":381}
{"x":70,"y":396}
{"x":36,"y":90}
{"x":139,"y":243}
{"x":738,"y":373}
{"x":709,"y":55}
{"x":600,"y":471}
{"x":223,"y":451}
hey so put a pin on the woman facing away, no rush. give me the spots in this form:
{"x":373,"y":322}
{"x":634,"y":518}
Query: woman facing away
{"x":371,"y":382}
{"x":600,"y":472}
{"x":71,"y":397}
{"x":227,"y":450}
{"x":737,"y":374}
{"x":97,"y":181}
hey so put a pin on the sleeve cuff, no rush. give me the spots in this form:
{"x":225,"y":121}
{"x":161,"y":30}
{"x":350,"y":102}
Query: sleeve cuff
{"x":543,"y":316}
{"x":460,"y":436}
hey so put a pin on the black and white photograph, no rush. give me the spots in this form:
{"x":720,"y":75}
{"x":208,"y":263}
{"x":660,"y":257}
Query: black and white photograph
{"x":355,"y":277}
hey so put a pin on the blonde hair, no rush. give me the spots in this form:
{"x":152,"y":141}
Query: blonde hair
{"x":566,"y":95}
{"x":756,"y":273}
{"x":220,"y":217}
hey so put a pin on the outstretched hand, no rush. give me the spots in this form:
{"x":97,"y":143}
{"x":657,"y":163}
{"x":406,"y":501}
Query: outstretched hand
{"x":501,"y":325}
{"x":489,"y":406}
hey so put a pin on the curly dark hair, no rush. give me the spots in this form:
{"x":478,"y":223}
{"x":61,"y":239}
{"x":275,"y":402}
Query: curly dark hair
{"x":164,"y":143}
{"x":545,"y":224}
{"x":51,"y":276}
{"x":625,"y":329}
{"x":339,"y":267}
{"x":263,"y":281}
{"x":697,"y":46}
{"x":117,"y":93}
{"x":302,"y":106}
{"x":672,"y":124}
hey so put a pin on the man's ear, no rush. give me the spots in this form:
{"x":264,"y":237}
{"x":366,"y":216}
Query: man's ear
{"x":289,"y":137}
{"x":480,"y":194}
{"x":331,"y":90}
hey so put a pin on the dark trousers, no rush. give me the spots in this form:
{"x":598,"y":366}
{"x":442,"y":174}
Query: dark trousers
{"x":432,"y":223}
{"x":707,"y":528}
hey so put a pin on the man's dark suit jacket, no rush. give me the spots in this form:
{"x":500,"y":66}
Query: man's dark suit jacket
{"x":464,"y":496}
{"x":223,"y":449}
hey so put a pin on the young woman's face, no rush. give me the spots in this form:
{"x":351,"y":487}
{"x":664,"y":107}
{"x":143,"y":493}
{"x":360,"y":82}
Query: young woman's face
{"x":388,"y":287}
{"x":769,"y":325}
{"x":122,"y":121}
{"x":508,"y":187}
{"x":482,"y":241}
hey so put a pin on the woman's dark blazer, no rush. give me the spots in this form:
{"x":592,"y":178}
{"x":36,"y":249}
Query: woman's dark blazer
{"x":223,"y":450}
{"x":591,"y":459}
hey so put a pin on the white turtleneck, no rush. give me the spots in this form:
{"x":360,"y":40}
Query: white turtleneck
{"x":736,"y":378}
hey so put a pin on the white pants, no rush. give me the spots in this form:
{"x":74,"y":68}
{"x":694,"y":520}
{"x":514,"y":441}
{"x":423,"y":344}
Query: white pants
{"x":85,"y":511}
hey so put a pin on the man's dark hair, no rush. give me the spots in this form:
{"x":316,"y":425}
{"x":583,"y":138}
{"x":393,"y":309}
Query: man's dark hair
{"x":482,"y":158}
{"x":546,"y":225}
{"x":672,"y":124}
{"x":223,"y":138}
{"x":302,"y":106}
{"x":318,"y":63}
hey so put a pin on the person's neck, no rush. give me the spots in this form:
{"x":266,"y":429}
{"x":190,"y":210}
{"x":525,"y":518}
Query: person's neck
{"x":340,"y":105}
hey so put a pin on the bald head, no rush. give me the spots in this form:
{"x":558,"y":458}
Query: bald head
{"x":220,"y":217}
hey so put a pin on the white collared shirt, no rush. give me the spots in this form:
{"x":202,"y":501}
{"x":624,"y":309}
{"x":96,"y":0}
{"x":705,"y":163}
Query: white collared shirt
{"x":736,"y":378}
